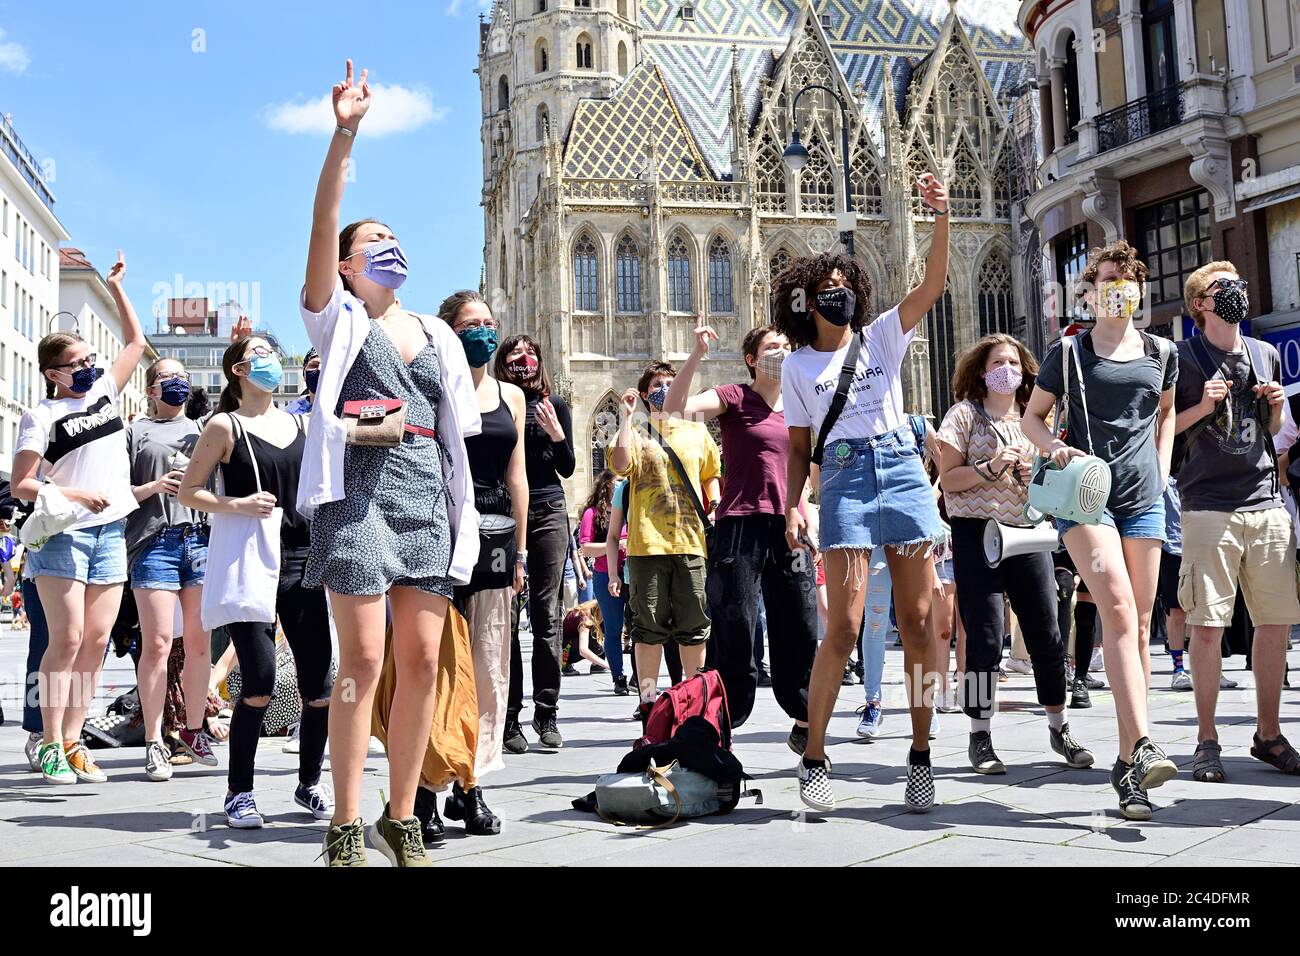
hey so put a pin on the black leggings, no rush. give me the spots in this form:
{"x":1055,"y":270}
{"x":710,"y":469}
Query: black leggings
{"x":1029,"y":582}
{"x":305,"y":619}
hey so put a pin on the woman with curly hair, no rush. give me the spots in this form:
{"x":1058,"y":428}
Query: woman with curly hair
{"x":1121,"y":385}
{"x":843,"y":394}
{"x":984,"y":470}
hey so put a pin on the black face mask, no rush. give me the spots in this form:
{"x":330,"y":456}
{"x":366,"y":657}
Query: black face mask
{"x":837,"y":306}
{"x":1231,"y":305}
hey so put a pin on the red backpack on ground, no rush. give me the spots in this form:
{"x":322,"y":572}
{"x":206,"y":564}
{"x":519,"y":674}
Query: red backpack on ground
{"x":702,"y":695}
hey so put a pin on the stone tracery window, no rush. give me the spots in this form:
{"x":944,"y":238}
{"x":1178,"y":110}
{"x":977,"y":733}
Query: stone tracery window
{"x":679,"y":275}
{"x":604,"y":427}
{"x":867,"y":198}
{"x":627,"y":276}
{"x":720,"y":284}
{"x":816,"y":183}
{"x":771,"y":177}
{"x":965,"y":192}
{"x":585,"y":275}
{"x":995,"y":304}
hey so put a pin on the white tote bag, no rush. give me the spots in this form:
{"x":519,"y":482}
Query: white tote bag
{"x":243,"y":563}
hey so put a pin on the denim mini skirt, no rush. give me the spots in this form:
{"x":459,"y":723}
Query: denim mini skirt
{"x":874,"y":492}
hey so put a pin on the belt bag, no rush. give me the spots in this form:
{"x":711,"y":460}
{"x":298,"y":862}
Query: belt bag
{"x":377,"y":422}
{"x":496,"y":553}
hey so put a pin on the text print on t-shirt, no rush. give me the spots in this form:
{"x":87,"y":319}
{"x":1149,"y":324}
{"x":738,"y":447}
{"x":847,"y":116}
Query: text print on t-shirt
{"x":81,"y":428}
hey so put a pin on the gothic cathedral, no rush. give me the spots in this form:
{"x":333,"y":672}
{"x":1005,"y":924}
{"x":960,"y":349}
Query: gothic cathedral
{"x":633,"y":182}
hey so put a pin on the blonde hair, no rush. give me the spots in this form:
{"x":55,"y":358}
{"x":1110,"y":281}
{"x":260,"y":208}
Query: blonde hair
{"x":589,"y":614}
{"x":1198,"y":282}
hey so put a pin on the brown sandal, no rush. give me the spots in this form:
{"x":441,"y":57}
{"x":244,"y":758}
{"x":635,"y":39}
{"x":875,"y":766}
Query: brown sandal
{"x":1207,"y":767}
{"x":1288,"y":761}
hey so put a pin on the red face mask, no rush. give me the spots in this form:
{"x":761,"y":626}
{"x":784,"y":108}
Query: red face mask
{"x":524,"y":367}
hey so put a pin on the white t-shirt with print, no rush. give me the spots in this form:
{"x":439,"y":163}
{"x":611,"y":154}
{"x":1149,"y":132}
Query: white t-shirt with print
{"x":82,"y":444}
{"x":875,"y":401}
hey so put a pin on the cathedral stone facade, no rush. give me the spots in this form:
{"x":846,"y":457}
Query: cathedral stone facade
{"x":634,"y":184}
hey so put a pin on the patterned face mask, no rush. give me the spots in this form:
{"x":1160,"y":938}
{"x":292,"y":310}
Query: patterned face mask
{"x":1118,"y":298}
{"x":1230,"y":301}
{"x":769,"y":363}
{"x":1004,"y":379}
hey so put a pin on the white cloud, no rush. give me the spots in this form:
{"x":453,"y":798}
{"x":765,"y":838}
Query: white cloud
{"x":13,"y":56}
{"x":455,"y":6}
{"x":396,"y":109}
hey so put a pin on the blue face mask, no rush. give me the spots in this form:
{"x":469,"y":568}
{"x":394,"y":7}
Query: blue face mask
{"x":174,"y":392}
{"x":657,"y":396}
{"x":84,"y":379}
{"x":312,"y":378}
{"x":479,"y":342}
{"x":385,"y":263}
{"x":264,"y":371}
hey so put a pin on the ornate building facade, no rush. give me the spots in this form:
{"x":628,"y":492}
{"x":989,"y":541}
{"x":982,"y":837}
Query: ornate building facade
{"x":634,"y":182}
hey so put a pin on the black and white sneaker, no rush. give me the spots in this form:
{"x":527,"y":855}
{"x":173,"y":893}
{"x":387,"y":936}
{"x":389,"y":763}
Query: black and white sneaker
{"x":1079,"y":696}
{"x":1153,"y":767}
{"x":1075,"y":754}
{"x":1133,"y":800}
{"x":798,"y":739}
{"x":983,"y":759}
{"x":316,"y":799}
{"x":815,"y":786}
{"x":919,"y":795}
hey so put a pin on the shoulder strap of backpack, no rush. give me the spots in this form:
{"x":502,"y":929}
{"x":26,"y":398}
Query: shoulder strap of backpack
{"x":1259,"y":368}
{"x":1204,"y":361}
{"x":841,"y":396}
{"x":681,"y":472}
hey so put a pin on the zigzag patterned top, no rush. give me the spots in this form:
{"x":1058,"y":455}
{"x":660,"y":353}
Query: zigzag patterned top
{"x":695,"y":55}
{"x":966,"y":430}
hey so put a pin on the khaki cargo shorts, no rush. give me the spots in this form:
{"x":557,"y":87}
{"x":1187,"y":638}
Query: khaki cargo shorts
{"x":1222,"y":549}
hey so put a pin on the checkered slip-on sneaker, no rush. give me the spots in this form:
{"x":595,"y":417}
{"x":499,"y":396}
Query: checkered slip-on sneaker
{"x":815,"y":786}
{"x":919,"y":795}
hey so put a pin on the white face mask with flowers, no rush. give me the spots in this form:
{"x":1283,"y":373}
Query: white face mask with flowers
{"x":1118,"y":298}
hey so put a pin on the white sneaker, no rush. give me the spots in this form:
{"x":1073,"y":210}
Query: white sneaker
{"x":1181,"y":681}
{"x":377,"y":747}
{"x":947,"y":703}
{"x":815,"y":786}
{"x":241,"y":811}
{"x":1016,"y":666}
{"x":157,"y":761}
{"x":1096,"y":664}
{"x":32,"y":749}
{"x":1226,"y":682}
{"x":934,"y":725}
{"x":291,"y":745}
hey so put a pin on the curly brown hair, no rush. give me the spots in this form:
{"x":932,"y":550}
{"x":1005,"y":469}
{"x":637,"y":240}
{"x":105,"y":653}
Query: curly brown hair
{"x":1125,"y":257}
{"x":795,"y":289}
{"x":968,"y":376}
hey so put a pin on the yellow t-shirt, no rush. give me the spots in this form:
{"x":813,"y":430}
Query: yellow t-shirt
{"x":661,"y":518}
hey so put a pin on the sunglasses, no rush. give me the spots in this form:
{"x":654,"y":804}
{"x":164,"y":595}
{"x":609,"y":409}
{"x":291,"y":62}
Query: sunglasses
{"x":90,"y":361}
{"x":1226,"y":284}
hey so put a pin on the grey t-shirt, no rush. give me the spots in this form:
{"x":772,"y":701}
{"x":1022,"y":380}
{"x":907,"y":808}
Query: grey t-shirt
{"x":1123,"y":405}
{"x":157,"y":446}
{"x":1228,"y":469}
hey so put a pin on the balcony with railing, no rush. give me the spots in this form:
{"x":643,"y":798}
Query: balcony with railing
{"x":1144,"y":117}
{"x":24,"y":161}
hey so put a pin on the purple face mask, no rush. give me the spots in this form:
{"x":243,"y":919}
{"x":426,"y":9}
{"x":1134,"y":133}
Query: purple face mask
{"x":385,"y":263}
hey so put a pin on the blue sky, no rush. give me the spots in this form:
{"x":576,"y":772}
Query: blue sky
{"x":191,"y":162}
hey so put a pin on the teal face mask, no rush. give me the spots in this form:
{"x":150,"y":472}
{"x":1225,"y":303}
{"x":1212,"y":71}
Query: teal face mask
{"x":480,"y":344}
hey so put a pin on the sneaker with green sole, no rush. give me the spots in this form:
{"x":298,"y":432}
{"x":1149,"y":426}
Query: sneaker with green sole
{"x":345,"y":845}
{"x":401,"y":841}
{"x":54,"y":764}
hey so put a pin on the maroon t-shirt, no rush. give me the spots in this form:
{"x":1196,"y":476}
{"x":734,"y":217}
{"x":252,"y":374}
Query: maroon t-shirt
{"x":755,"y":446}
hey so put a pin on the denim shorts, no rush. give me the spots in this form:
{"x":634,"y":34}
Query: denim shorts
{"x":176,"y":559}
{"x":874,"y":492}
{"x":1144,"y":524}
{"x":89,"y":555}
{"x":943,"y":571}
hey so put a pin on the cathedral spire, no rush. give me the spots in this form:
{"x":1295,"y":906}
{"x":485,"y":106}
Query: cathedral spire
{"x":739,"y":122}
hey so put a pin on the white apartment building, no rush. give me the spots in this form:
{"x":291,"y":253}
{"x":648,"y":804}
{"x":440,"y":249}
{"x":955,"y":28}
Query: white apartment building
{"x":84,"y":299}
{"x":30,"y":234}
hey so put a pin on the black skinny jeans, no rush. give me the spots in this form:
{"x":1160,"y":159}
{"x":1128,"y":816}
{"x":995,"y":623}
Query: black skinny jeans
{"x":305,"y":619}
{"x":1029,"y":581}
{"x":548,"y":548}
{"x":749,"y":557}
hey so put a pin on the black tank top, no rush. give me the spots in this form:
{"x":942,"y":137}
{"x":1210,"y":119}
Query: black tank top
{"x":489,"y":455}
{"x":279,"y":469}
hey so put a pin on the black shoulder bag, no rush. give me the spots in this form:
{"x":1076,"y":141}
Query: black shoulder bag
{"x":686,"y":480}
{"x":841,"y":396}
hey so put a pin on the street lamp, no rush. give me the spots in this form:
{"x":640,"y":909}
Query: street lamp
{"x":796,"y":157}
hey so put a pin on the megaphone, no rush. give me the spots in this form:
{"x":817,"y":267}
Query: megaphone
{"x":1077,"y":492}
{"x":1002,"y":541}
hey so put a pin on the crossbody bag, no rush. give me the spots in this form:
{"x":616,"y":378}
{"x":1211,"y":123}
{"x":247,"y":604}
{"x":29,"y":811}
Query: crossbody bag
{"x":686,"y":480}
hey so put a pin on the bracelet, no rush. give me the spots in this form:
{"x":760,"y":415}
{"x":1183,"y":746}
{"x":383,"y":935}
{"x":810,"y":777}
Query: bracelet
{"x":936,"y":211}
{"x":521,"y":556}
{"x":345,"y":131}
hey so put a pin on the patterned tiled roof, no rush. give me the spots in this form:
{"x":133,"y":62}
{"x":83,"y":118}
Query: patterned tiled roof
{"x":612,"y":138}
{"x":695,"y":55}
